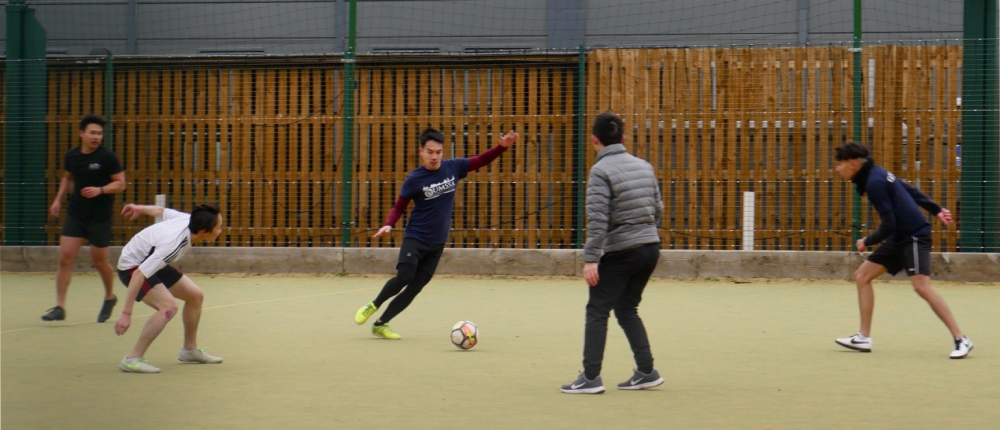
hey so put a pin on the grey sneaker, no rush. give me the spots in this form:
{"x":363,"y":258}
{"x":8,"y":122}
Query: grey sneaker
{"x":197,"y":355}
{"x":137,"y":365}
{"x":582,"y":385}
{"x":640,"y":381}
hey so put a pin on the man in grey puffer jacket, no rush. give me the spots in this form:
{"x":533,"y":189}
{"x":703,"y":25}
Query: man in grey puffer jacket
{"x":624,"y":209}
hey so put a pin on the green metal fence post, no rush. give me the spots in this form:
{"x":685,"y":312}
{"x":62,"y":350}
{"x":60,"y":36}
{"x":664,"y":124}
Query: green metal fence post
{"x":991,"y":124}
{"x":856,"y":133}
{"x":14,"y":122}
{"x":24,"y":181}
{"x":347,"y":162}
{"x":980,"y":164}
{"x":34,"y":131}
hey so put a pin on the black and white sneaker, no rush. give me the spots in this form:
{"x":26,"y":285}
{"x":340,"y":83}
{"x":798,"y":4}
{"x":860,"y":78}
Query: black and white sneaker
{"x":856,"y":342}
{"x":640,"y":381}
{"x":582,"y":385}
{"x":962,"y":347}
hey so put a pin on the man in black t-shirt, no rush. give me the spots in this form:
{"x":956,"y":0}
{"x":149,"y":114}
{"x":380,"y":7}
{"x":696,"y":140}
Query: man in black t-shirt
{"x":94,"y":173}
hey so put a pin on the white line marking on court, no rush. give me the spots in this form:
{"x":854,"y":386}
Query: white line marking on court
{"x":203,"y":309}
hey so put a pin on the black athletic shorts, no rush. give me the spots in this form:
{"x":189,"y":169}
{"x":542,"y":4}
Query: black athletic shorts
{"x":168,"y":276}
{"x":423,"y":255}
{"x":911,"y":253}
{"x":98,"y":233}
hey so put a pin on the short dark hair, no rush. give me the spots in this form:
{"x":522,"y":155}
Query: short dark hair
{"x":431,"y":134}
{"x":203,"y":217}
{"x":851,"y":151}
{"x":91,"y":119}
{"x":608,"y":128}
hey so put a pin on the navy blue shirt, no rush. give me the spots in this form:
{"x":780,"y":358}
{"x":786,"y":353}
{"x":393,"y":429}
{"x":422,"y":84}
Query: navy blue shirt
{"x":898,"y":204}
{"x":433,"y":196}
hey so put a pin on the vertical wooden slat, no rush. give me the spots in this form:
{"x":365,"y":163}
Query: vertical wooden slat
{"x":363,"y":158}
{"x":952,"y":117}
{"x":810,"y":166}
{"x":499,"y":105}
{"x":379,"y":195}
{"x":732,"y":67}
{"x":403,"y":160}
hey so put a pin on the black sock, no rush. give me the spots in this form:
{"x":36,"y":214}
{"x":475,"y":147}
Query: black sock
{"x":379,"y":324}
{"x":646,"y":368}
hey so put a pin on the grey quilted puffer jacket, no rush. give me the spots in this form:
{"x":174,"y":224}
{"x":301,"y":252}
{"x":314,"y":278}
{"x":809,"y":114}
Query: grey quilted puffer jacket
{"x":624,"y":207}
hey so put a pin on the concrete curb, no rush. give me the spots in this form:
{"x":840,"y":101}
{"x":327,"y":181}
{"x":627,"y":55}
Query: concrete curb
{"x":984,"y":267}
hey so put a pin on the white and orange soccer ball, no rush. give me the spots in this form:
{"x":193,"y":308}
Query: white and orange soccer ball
{"x":464,"y":334}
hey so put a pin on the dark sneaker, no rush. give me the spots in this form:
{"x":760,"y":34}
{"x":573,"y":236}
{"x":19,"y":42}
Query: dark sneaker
{"x":582,"y":385}
{"x":55,"y":314}
{"x":106,"y":308}
{"x":640,"y":381}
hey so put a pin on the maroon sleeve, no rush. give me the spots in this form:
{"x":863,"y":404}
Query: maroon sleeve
{"x":397,"y":211}
{"x":486,"y":158}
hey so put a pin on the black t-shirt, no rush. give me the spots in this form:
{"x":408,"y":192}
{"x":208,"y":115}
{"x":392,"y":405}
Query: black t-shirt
{"x":91,"y":170}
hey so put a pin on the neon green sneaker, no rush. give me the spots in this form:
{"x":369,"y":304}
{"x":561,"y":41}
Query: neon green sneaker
{"x":384,"y":332}
{"x":364,"y":313}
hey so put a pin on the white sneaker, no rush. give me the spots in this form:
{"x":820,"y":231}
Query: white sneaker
{"x":137,"y":365}
{"x":856,"y":342}
{"x":962,"y":347}
{"x":197,"y":355}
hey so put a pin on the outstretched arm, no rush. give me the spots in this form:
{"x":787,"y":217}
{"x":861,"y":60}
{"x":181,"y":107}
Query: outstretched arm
{"x":491,"y":154}
{"x":132,"y":211}
{"x":394,"y":215}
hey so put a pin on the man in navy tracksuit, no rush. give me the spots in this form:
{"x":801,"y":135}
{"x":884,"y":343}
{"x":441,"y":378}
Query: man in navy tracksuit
{"x":432,"y":188}
{"x":905,"y":235}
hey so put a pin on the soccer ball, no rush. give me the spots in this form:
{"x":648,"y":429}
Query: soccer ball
{"x":464,"y":334}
